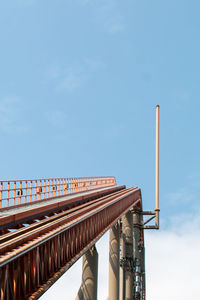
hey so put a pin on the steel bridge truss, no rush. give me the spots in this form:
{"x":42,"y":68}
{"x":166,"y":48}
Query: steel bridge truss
{"x":35,"y":256}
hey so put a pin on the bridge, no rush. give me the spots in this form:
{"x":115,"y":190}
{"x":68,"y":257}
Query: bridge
{"x":46,"y":225}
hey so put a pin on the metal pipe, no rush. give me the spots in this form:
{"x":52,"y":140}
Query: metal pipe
{"x":157,"y":156}
{"x":157,"y":210}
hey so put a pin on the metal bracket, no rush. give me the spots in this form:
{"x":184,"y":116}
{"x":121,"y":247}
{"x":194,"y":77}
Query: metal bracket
{"x":155,"y":215}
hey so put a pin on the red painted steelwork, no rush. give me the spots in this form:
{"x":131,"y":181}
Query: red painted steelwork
{"x":17,"y":238}
{"x":26,"y":215}
{"x":31,"y":268}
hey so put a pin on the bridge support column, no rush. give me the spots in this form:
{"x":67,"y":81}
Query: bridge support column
{"x":88,"y":289}
{"x":143,"y":296}
{"x":114,"y":259}
{"x":127,"y":257}
{"x":138,"y":252}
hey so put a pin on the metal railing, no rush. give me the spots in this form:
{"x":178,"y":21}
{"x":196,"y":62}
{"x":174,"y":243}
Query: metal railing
{"x":17,"y":192}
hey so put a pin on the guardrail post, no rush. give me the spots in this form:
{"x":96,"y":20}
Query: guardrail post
{"x":114,"y":259}
{"x":126,"y":263}
{"x":88,"y":289}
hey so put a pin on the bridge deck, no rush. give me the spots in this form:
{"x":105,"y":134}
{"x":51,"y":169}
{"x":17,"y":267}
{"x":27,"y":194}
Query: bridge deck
{"x":14,"y":215}
{"x":16,"y":209}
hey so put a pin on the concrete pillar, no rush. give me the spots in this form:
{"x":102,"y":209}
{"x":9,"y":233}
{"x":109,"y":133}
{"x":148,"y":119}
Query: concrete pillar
{"x":121,"y":281}
{"x":127,"y":257}
{"x":114,"y":259}
{"x":88,"y":289}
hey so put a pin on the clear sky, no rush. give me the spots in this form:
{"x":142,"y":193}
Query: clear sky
{"x":79,"y":82}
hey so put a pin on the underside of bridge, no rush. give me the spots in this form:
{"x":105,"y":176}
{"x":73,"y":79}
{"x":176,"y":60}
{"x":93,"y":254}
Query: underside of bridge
{"x":47,"y":225}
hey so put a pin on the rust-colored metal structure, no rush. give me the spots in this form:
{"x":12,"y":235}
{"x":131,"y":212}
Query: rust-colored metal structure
{"x":36,"y":249}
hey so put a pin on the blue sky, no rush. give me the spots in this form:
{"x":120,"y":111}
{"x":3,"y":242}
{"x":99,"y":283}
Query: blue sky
{"x":79,"y":82}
